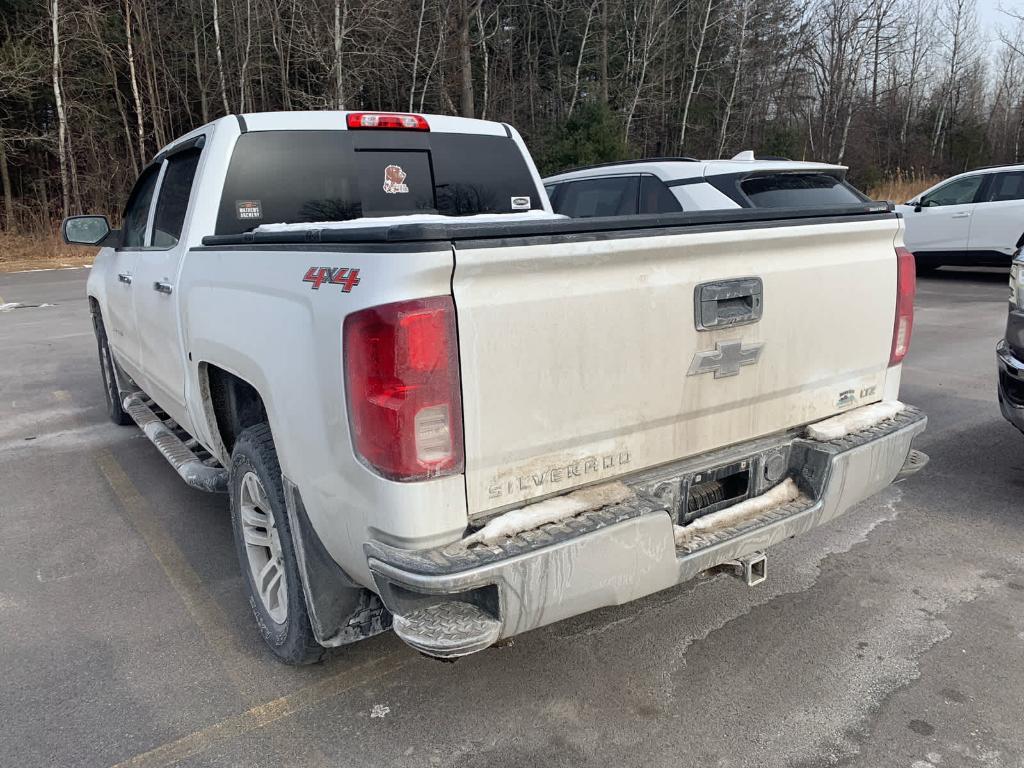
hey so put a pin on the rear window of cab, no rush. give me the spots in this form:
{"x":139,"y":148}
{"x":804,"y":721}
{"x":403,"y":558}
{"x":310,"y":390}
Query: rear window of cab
{"x":316,"y":176}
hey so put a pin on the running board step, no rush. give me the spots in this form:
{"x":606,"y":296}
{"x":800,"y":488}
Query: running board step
{"x":448,"y":630}
{"x":186,"y":461}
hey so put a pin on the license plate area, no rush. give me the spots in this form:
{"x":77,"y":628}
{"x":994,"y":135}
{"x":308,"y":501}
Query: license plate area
{"x":714,"y":489}
{"x":693,"y":489}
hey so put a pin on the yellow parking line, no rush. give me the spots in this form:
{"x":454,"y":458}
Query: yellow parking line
{"x":241,"y":667}
{"x":60,"y":395}
{"x":265,"y":714}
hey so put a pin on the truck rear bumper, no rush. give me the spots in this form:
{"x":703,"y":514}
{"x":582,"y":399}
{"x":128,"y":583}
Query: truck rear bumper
{"x":616,"y":554}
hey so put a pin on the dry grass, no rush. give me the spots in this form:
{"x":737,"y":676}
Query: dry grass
{"x":901,"y":188}
{"x":18,"y":252}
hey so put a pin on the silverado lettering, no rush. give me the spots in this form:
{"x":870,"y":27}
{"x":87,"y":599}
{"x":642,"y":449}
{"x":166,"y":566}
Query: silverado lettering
{"x":586,"y":466}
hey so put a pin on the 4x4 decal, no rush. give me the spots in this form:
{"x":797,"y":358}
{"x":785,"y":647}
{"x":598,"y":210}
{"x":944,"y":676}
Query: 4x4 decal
{"x":343,"y":276}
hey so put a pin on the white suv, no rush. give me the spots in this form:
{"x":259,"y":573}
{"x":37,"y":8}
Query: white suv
{"x":669,"y":185}
{"x":973,"y":219}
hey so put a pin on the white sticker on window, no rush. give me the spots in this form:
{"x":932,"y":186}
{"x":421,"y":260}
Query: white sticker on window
{"x":394,"y":180}
{"x":520,"y":203}
{"x":248,"y":209}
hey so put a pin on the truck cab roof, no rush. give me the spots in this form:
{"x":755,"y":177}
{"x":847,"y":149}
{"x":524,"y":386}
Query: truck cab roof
{"x":337,"y":120}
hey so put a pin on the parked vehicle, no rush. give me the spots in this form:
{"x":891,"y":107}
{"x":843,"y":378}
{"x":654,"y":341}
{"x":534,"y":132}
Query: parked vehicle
{"x":466,"y":428}
{"x":673,"y":184}
{"x":1010,"y":349}
{"x":972,"y":219}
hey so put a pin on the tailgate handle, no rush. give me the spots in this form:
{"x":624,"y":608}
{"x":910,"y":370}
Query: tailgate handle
{"x":724,"y":303}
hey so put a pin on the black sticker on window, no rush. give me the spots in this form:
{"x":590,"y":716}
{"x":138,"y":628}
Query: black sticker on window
{"x":249,"y":209}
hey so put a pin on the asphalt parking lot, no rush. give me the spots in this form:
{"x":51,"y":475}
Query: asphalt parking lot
{"x":893,"y":637}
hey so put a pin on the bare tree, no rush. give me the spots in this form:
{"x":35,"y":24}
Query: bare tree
{"x":416,"y":52}
{"x":702,"y":33}
{"x":920,"y":37}
{"x":58,"y":99}
{"x":874,"y":83}
{"x":744,"y":21}
{"x":220,"y":58}
{"x":959,"y":21}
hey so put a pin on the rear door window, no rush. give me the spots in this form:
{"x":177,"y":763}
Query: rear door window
{"x":798,"y":190}
{"x":172,"y":201}
{"x":1006,"y":186}
{"x":315,"y":176}
{"x":609,"y":196}
{"x":136,"y":212}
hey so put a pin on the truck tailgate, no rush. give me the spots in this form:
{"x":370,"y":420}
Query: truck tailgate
{"x":582,"y":358}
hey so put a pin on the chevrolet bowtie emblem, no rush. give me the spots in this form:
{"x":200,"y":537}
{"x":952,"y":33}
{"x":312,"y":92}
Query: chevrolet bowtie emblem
{"x":726,"y":358}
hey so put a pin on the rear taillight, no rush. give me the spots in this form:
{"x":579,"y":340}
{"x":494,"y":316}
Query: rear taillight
{"x":401,"y":121}
{"x":404,"y":394}
{"x":906,"y":287}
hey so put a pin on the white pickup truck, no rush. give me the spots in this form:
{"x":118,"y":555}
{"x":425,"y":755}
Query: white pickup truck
{"x":473,"y":418}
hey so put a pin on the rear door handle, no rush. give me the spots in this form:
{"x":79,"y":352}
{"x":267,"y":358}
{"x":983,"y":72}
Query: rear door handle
{"x":125,"y":277}
{"x":162,"y":287}
{"x":728,"y":302}
{"x":961,"y":215}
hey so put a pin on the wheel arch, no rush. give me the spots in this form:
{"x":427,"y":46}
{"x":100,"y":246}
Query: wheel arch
{"x":231,"y":404}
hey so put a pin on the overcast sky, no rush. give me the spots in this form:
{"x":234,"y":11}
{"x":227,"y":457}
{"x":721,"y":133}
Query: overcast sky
{"x":989,"y":17}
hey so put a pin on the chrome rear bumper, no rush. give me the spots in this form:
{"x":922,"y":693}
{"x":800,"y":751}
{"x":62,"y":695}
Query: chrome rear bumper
{"x":623,"y":552}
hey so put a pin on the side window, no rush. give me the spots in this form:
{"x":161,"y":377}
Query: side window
{"x":655,"y":197}
{"x":614,"y":196}
{"x":956,"y":192}
{"x":1006,"y":186}
{"x":172,"y":201}
{"x":136,"y":213}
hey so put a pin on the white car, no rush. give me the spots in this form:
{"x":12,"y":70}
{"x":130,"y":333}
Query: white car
{"x":673,"y":184}
{"x":973,"y":219}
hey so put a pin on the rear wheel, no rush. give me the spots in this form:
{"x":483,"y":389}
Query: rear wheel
{"x":265,"y":551}
{"x":110,"y":388}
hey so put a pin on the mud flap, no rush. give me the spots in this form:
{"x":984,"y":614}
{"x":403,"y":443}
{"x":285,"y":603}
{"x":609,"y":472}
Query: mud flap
{"x":340,"y":611}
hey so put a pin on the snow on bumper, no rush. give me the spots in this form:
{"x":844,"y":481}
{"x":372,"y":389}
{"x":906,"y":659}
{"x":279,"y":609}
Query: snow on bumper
{"x":627,"y":550}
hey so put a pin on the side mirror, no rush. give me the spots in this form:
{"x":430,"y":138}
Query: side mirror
{"x":916,"y":204}
{"x":86,"y":230}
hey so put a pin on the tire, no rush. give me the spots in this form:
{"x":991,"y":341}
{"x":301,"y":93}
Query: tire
{"x":926,"y":269}
{"x":110,"y":390}
{"x":265,"y":551}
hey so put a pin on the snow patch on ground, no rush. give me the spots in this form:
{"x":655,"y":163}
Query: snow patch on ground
{"x":49,"y":269}
{"x":18,"y":305}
